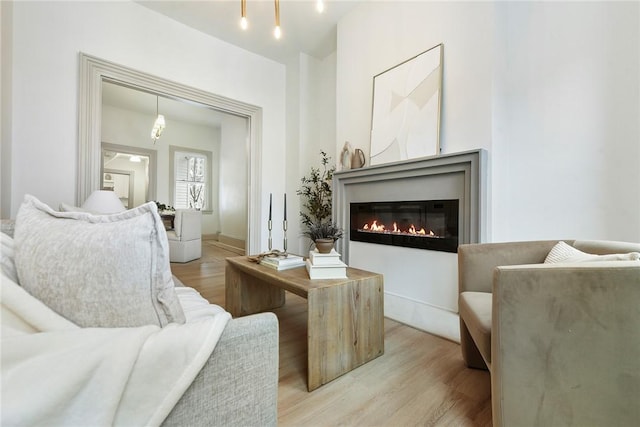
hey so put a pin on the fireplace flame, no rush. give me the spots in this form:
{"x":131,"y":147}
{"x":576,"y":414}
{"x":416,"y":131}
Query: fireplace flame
{"x":375,"y":227}
{"x":412,"y":230}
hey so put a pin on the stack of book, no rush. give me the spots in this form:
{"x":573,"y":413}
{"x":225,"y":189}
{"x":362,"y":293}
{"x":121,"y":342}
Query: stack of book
{"x":326,"y":266}
{"x":283,"y":263}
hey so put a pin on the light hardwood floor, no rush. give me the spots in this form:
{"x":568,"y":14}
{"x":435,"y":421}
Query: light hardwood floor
{"x":420,"y":380}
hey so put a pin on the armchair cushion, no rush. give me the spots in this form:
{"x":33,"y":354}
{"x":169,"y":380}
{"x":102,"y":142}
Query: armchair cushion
{"x":475,"y":307}
{"x":110,"y":270}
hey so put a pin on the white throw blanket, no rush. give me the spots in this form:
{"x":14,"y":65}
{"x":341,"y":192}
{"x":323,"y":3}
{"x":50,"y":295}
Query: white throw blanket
{"x":55,"y":373}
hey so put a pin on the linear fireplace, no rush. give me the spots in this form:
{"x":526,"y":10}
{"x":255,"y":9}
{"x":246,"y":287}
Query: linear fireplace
{"x":420,"y":286}
{"x":427,"y":224}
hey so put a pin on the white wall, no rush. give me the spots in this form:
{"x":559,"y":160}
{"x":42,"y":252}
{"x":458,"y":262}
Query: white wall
{"x":551,"y":90}
{"x":47,"y":37}
{"x":233,"y":178}
{"x":310,"y":128}
{"x":568,"y":161}
{"x":6,"y":50}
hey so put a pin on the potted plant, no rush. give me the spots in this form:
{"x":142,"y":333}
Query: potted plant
{"x":315,"y":215}
{"x":324,"y":235}
{"x":162,"y":208}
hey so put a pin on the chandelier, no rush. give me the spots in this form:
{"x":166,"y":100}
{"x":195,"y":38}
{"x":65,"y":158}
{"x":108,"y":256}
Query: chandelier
{"x":158,"y":125}
{"x":277,"y":32}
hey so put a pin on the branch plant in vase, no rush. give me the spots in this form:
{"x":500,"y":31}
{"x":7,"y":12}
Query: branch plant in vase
{"x":196,"y":201}
{"x":316,"y":193}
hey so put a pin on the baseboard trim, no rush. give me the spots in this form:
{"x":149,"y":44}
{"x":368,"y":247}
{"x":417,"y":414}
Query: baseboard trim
{"x":227,"y":247}
{"x":423,"y":316}
{"x":231,"y":241}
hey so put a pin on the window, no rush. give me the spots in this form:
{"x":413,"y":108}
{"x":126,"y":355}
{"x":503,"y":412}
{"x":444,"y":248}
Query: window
{"x":190,"y":172}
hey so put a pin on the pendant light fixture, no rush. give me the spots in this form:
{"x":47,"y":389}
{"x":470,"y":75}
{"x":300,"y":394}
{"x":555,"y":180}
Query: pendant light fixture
{"x":277,"y":32}
{"x":244,"y":24}
{"x":158,"y":125}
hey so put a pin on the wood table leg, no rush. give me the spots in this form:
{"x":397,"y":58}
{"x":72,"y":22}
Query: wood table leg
{"x":245,"y":294}
{"x":345,"y":328}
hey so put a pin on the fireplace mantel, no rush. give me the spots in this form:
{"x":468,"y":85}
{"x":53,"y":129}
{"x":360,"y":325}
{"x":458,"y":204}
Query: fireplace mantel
{"x":469,"y":166}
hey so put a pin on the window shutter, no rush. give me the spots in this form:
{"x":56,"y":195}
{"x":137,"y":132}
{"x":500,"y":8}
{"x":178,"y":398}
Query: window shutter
{"x":190,"y":175}
{"x":182,"y":187}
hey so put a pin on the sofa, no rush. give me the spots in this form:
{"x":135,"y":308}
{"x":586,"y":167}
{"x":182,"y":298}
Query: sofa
{"x":556,"y":323}
{"x":62,"y":353}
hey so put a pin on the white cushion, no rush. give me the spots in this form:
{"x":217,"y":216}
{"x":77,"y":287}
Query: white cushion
{"x":8,"y":256}
{"x":64,"y":207}
{"x":97,"y":270}
{"x":563,"y":252}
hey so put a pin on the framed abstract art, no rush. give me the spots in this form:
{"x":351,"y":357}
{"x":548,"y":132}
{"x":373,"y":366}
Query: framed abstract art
{"x":405,"y":120}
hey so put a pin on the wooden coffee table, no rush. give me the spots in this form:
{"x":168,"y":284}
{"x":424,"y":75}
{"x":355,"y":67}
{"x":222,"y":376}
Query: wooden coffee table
{"x":345,"y":316}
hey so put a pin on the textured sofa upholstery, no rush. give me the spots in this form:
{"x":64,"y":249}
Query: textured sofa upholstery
{"x":561,"y":340}
{"x":185,"y":240}
{"x":238,"y":386}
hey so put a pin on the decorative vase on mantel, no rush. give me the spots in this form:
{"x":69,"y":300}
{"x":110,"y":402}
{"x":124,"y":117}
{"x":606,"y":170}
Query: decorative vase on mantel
{"x":324,"y":246}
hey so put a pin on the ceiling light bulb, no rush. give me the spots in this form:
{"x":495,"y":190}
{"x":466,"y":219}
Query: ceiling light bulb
{"x":244,"y":24}
{"x":277,"y":32}
{"x":320,"y":6}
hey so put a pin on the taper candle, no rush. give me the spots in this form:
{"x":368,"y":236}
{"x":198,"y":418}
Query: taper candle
{"x":285,"y":206}
{"x":270,"y":203}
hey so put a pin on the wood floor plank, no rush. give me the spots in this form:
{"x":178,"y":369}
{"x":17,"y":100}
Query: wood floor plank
{"x":420,"y":380}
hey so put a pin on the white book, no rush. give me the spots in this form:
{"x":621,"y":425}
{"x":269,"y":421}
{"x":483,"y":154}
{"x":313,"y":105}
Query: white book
{"x":282,"y":266}
{"x":332,"y":258}
{"x":290,"y":259}
{"x":326,"y":271}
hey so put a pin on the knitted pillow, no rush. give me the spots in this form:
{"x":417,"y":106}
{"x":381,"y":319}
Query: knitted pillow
{"x":562,"y":252}
{"x":97,"y":270}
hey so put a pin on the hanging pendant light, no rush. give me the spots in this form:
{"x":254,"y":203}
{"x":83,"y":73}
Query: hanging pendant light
{"x":277,"y":32}
{"x":158,"y":125}
{"x":244,"y":24}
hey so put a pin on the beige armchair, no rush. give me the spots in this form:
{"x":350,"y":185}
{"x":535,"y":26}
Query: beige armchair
{"x":561,"y":341}
{"x":185,"y":240}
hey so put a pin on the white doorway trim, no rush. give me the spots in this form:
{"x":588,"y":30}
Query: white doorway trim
{"x":93,"y":71}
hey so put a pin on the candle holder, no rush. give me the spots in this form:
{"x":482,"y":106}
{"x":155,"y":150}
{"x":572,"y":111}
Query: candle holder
{"x":284,"y":227}
{"x":270,"y":241}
